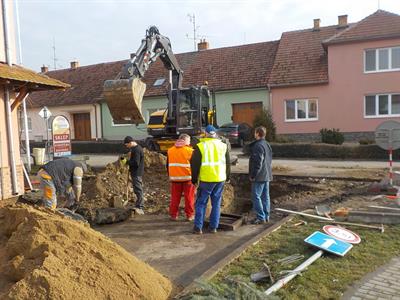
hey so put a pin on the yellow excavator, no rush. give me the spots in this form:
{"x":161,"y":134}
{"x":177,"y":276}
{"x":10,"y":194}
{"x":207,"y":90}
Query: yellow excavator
{"x":189,"y":109}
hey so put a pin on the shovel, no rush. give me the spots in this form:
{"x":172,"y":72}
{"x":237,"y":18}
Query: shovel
{"x":323,"y":210}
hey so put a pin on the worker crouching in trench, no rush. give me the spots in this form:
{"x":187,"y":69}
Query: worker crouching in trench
{"x":61,"y":177}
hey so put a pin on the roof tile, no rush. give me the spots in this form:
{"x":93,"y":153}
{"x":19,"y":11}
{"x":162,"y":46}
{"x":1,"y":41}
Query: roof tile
{"x":229,"y":68}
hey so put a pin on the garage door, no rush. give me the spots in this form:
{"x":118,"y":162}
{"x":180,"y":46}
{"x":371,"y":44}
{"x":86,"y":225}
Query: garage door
{"x":246,"y":112}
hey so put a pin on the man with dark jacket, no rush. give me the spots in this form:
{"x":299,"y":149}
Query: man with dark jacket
{"x":64,"y":177}
{"x":260,"y":173}
{"x":136,"y":168}
{"x":210,"y":163}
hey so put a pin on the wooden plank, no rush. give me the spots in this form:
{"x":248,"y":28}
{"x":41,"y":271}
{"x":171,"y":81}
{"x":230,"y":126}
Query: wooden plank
{"x":233,"y":255}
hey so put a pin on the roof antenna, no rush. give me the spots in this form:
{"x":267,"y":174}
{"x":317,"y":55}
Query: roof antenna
{"x":192,"y":19}
{"x":379,"y":4}
{"x":54,"y":53}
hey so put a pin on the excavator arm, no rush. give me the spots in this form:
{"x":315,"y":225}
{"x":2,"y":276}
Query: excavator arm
{"x":125,"y":93}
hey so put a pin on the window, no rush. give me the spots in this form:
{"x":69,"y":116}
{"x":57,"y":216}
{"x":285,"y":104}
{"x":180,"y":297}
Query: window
{"x":381,"y":60}
{"x":22,"y":126}
{"x":159,"y":82}
{"x":382,"y":105}
{"x":301,"y":110}
{"x":153,"y":110}
{"x":119,"y":125}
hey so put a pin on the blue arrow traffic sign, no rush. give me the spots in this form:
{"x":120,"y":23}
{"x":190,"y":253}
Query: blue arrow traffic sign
{"x":328,"y":243}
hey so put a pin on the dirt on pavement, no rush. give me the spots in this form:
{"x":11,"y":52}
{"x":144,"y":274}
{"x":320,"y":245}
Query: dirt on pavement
{"x":103,"y":188}
{"x":45,"y":255}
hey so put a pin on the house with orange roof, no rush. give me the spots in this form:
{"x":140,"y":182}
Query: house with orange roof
{"x":344,"y":76}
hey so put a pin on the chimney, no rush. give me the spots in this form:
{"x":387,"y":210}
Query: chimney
{"x":317,"y":23}
{"x":342,"y":21}
{"x":202,"y":45}
{"x":74,"y":65}
{"x":44,"y":69}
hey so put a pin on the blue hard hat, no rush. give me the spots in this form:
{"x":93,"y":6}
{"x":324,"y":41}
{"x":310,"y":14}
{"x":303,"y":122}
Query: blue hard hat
{"x":210,"y":129}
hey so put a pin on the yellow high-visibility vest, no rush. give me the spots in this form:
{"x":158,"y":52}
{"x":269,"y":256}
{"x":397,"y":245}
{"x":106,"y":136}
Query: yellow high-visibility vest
{"x":213,"y":162}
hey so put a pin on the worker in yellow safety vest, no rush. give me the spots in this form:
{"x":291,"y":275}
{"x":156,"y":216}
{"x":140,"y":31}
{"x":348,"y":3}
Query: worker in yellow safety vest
{"x":180,"y":176}
{"x":211,"y":166}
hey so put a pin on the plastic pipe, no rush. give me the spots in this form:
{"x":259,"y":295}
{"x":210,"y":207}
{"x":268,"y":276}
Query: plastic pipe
{"x":7,"y":101}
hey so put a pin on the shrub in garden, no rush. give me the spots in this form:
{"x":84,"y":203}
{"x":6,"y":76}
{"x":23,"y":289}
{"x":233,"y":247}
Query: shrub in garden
{"x":331,"y":136}
{"x":366,"y":142}
{"x":264,"y":118}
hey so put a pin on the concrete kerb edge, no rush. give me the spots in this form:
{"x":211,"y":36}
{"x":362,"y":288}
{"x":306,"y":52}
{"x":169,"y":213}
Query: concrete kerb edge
{"x":211,"y":272}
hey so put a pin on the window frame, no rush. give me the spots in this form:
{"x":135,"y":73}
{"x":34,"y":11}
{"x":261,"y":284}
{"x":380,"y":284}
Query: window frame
{"x":377,"y":70}
{"x":296,"y":119}
{"x":377,"y":115}
{"x":119,"y":125}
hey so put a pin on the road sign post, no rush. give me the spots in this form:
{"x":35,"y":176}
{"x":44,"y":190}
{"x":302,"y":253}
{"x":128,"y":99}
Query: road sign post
{"x":45,"y":113}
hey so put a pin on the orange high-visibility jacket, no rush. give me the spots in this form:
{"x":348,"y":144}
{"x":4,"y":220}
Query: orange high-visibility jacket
{"x":179,"y":163}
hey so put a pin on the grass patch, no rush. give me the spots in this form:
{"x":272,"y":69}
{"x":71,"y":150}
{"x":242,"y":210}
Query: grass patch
{"x":327,"y":278}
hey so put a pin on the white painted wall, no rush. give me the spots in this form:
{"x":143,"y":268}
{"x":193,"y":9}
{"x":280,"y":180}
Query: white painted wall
{"x":39,"y":127}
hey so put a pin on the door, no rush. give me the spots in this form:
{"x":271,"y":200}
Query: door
{"x":245,"y":112}
{"x":82,"y":126}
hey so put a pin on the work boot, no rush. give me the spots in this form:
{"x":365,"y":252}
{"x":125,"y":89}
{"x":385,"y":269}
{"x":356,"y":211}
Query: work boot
{"x":213,"y":230}
{"x":258,"y":222}
{"x":197,"y":230}
{"x":138,"y":211}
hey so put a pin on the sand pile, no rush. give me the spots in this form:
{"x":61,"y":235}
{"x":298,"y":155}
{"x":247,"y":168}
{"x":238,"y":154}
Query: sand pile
{"x":44,"y":255}
{"x":106,"y":186}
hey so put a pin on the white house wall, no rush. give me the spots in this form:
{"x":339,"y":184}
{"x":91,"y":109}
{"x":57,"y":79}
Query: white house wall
{"x":38,"y":130}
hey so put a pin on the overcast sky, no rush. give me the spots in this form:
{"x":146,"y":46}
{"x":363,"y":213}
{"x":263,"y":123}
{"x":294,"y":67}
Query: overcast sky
{"x":95,"y":31}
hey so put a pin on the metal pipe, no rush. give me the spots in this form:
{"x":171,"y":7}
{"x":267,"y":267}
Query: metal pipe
{"x":6,"y":32}
{"x":303,"y":214}
{"x":281,"y":282}
{"x":26,"y":133}
{"x":7,"y":102}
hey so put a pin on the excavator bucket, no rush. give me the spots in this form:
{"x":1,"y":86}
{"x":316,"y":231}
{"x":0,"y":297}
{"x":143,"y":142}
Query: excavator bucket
{"x":124,"y":99}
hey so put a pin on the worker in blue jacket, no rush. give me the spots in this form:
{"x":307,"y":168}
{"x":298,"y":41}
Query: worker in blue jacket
{"x":260,"y":172}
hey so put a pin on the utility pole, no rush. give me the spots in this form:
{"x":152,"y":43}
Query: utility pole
{"x":54,"y":53}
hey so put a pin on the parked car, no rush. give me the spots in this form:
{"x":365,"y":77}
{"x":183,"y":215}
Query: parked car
{"x":236,"y":133}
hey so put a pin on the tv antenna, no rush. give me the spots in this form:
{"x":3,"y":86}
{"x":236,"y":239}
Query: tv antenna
{"x":54,"y":54}
{"x":192,"y":19}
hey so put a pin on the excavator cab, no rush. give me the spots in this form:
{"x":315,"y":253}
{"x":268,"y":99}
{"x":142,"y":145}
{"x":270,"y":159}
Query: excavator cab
{"x":189,"y":111}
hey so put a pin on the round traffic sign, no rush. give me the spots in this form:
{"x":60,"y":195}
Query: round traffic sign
{"x":342,"y":234}
{"x":387,"y":135}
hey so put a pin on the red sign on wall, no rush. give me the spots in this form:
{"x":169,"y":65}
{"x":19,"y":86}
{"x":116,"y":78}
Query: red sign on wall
{"x":61,"y":136}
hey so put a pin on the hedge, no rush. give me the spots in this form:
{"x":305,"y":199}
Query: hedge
{"x":326,"y":151}
{"x":286,"y":150}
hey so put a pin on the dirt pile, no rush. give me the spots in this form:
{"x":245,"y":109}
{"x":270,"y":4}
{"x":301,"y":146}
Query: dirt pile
{"x":103,"y":189}
{"x":44,"y":255}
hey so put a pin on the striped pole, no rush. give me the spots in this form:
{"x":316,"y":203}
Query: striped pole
{"x":391,"y":166}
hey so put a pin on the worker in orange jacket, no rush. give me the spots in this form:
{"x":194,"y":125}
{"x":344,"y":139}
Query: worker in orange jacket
{"x":180,"y":175}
